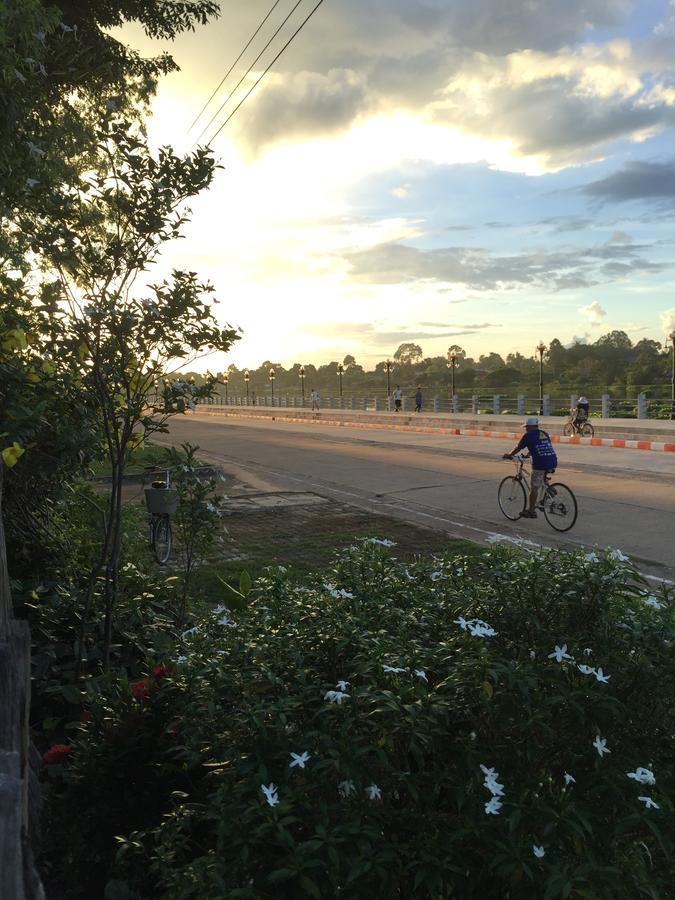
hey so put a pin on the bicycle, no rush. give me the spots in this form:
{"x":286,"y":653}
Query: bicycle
{"x":161,"y":501}
{"x":556,"y":500}
{"x":574,"y":426}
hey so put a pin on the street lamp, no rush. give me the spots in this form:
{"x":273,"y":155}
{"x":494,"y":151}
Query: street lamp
{"x":246,"y":379}
{"x":387,"y":369}
{"x":452,"y":357}
{"x":541,"y":346}
{"x":226,"y":378}
{"x":272,"y":377}
{"x":671,"y":336}
{"x":302,"y":383}
{"x":340,"y":370}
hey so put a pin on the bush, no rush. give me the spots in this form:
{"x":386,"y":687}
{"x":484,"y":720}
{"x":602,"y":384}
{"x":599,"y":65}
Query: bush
{"x":460,"y":758}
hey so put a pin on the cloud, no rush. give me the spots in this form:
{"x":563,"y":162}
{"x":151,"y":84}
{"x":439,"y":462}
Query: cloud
{"x":594,"y":312}
{"x":667,"y":320}
{"x":474,"y":267}
{"x":637,"y":181}
{"x":330,"y":329}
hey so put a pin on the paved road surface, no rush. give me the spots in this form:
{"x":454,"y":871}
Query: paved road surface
{"x":626,"y":497}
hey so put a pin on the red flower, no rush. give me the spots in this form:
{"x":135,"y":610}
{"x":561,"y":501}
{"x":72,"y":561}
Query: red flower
{"x":140,"y":689}
{"x":56,"y":753}
{"x":160,"y":671}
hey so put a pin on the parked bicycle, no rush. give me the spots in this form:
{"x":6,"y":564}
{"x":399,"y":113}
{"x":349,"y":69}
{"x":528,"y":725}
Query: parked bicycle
{"x":556,"y":500}
{"x":161,"y":501}
{"x":581,"y":427}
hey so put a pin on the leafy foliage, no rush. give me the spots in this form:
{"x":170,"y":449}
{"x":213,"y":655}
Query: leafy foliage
{"x":448,"y":665}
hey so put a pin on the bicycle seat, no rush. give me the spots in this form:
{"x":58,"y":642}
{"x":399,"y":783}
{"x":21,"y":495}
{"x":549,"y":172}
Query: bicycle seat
{"x":159,"y":484}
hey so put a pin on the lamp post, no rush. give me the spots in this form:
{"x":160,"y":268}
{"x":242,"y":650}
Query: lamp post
{"x":272,"y":376}
{"x":302,"y":383}
{"x":226,"y":379}
{"x":672,"y":377}
{"x":340,"y":370}
{"x":452,"y":358}
{"x":387,"y":369}
{"x":541,"y":346}
{"x":246,"y":379}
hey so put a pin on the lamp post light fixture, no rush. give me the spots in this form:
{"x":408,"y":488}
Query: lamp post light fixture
{"x":247,"y":376}
{"x":541,"y":346}
{"x":340,"y":370}
{"x":452,"y":358}
{"x":302,"y":383}
{"x":226,"y":379}
{"x":671,"y":337}
{"x":272,"y":376}
{"x":387,"y":369}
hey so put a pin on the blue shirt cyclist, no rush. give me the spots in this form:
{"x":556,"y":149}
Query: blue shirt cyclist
{"x":544,"y":459}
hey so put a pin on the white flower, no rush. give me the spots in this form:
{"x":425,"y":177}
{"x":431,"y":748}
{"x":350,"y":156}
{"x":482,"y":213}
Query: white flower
{"x":602,"y":677}
{"x":421,"y":674}
{"x":560,"y":653}
{"x":478,"y":628}
{"x":224,"y":620}
{"x":586,"y":670}
{"x":619,"y":556}
{"x":32,"y":182}
{"x":394,"y":669}
{"x":588,"y":651}
{"x":335,"y":696}
{"x":181,"y":660}
{"x":299,"y":759}
{"x":642,"y":776}
{"x":189,"y":632}
{"x":539,"y":852}
{"x":436,"y":575}
{"x":462,"y":622}
{"x":40,"y":35}
{"x":600,"y":745}
{"x":34,"y":149}
{"x":382,"y":543}
{"x":649,"y":803}
{"x":569,"y":779}
{"x":495,"y":788}
{"x":489,"y":772}
{"x":592,"y":557}
{"x":532,"y":654}
{"x":218,"y":609}
{"x":493,"y":806}
{"x":653,"y":602}
{"x":270,"y":792}
{"x":342,"y":685}
{"x":345,"y":788}
{"x":373,"y":792}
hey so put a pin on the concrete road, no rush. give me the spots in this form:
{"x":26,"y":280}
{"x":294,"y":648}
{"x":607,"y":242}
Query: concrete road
{"x":626,"y":497}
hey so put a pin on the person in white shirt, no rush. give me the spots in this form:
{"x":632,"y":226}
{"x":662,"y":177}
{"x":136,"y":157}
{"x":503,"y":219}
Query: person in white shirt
{"x":398,"y":397}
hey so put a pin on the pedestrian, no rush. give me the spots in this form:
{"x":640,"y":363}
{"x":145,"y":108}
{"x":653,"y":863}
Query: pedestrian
{"x":418,"y":400}
{"x":314,"y":396}
{"x":398,"y":397}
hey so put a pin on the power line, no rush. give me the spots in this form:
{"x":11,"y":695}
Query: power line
{"x":291,"y":38}
{"x":225,"y":76}
{"x":229,"y":96}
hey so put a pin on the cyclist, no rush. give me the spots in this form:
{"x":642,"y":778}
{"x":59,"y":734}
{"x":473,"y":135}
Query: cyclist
{"x":544,"y":459}
{"x":580,"y":412}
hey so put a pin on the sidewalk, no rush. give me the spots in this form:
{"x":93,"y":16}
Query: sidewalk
{"x":635,"y":434}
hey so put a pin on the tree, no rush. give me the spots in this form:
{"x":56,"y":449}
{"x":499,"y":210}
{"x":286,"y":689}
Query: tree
{"x":490,"y":362}
{"x":459,"y":352}
{"x":348,"y":361}
{"x":131,"y":343}
{"x":408,"y":353}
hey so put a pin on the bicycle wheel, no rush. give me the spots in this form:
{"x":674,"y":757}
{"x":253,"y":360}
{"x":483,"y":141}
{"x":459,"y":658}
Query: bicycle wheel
{"x":161,"y":539}
{"x":587,"y":429}
{"x":511,"y":497}
{"x":568,"y":430}
{"x":560,"y":507}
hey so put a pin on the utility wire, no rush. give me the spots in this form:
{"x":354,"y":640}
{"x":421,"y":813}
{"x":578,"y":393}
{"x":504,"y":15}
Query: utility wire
{"x":295,"y":33}
{"x":230,"y":95}
{"x":229,"y":71}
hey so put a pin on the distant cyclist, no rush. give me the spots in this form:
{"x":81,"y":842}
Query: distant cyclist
{"x":544,"y":459}
{"x":580,"y":412}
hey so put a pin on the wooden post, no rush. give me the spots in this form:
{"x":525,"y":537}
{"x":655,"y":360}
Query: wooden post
{"x":18,"y":877}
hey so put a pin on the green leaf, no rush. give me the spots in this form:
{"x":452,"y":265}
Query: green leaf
{"x":245,"y":583}
{"x":117,"y":890}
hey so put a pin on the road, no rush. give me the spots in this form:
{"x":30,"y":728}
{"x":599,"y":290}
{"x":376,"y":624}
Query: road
{"x":626,"y":497}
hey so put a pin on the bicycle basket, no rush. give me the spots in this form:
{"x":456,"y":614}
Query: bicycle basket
{"x":160,"y":501}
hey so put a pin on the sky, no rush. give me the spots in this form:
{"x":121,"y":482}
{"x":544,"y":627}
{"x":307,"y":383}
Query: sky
{"x":488,"y":174}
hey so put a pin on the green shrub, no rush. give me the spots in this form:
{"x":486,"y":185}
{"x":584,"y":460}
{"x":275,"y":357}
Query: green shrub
{"x":456,"y":708}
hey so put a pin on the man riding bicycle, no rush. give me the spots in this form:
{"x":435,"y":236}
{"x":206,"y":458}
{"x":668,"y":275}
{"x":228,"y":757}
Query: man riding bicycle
{"x":544,"y":459}
{"x":580,"y":412}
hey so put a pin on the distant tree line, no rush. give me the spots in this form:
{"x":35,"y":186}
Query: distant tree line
{"x":611,"y":364}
